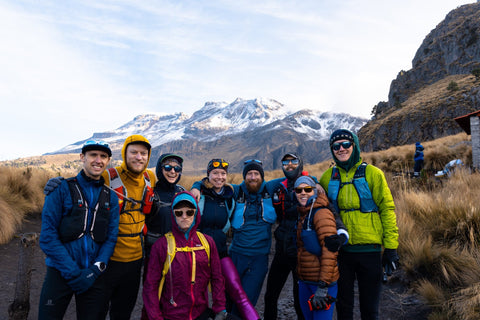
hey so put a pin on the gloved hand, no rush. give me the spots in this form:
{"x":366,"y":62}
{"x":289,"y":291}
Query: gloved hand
{"x":335,"y":242}
{"x":222,"y":315}
{"x":85,"y":280}
{"x":52,"y":184}
{"x":390,"y":261}
{"x":320,"y":298}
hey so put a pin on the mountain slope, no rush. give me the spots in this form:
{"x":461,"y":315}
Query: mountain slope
{"x":258,"y":128}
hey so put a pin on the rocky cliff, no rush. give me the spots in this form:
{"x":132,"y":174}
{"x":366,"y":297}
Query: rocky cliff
{"x":423,"y":101}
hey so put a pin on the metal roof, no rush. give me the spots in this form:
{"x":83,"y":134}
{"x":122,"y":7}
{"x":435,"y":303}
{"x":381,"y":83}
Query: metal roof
{"x":464,"y":121}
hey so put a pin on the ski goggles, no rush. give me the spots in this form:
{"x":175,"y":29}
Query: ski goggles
{"x":306,"y":189}
{"x":292,"y":161}
{"x":179,"y":213}
{"x":219,"y":163}
{"x":345,"y":144}
{"x":254,"y":161}
{"x":168,"y":167}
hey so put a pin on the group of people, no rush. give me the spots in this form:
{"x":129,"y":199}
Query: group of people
{"x":100,"y":227}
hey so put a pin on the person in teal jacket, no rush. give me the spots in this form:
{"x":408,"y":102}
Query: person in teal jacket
{"x":78,"y":236}
{"x":361,"y":195}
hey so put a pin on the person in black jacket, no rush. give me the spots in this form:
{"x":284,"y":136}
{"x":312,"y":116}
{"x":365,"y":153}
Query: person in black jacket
{"x":285,"y":258}
{"x":169,"y":171}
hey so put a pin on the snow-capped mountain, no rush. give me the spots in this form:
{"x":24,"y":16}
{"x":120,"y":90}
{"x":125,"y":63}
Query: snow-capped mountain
{"x":259,"y":128}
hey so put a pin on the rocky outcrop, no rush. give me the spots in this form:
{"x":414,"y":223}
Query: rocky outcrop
{"x":423,"y":101}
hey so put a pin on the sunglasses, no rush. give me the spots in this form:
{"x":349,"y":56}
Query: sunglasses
{"x":253,"y":160}
{"x":168,"y":167}
{"x":97,"y":143}
{"x":345,"y":144}
{"x":292,"y":161}
{"x":179,"y":213}
{"x":306,"y":189}
{"x":220,"y":163}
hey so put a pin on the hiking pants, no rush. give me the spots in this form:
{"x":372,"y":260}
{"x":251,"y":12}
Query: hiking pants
{"x":305,"y":292}
{"x":366,"y":267}
{"x":280,"y":268}
{"x":252,"y":271}
{"x":123,"y":282}
{"x":56,"y":296}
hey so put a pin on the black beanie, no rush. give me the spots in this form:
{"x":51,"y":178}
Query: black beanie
{"x":341,"y":134}
{"x":223,"y":165}
{"x":253,"y":165}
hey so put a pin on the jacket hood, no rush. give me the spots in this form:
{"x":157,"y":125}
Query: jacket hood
{"x":133,"y":139}
{"x":320,"y":201}
{"x":185,"y":196}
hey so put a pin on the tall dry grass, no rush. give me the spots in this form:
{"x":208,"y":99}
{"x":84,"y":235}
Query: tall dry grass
{"x":21,"y":193}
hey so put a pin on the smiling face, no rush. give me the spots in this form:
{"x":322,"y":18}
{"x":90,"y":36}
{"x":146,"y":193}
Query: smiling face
{"x":94,"y":163}
{"x":218,"y":178}
{"x":342,"y":154}
{"x":303,"y":196}
{"x":171,"y":175}
{"x":253,"y":181}
{"x":136,"y":157}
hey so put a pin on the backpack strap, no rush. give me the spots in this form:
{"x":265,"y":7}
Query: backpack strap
{"x":172,"y":250}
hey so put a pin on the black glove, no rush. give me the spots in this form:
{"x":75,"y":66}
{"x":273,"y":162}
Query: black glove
{"x":335,"y":242}
{"x":52,"y":184}
{"x":222,"y":315}
{"x":390,"y":260}
{"x":320,"y":298}
{"x":85,"y":280}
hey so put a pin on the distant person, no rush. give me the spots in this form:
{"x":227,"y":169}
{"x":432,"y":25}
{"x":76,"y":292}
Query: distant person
{"x":317,"y":265}
{"x":216,"y":206}
{"x":159,"y":221}
{"x":79,"y":230}
{"x":183,"y":265}
{"x":361,"y":195}
{"x":418,"y":158}
{"x":285,"y":259}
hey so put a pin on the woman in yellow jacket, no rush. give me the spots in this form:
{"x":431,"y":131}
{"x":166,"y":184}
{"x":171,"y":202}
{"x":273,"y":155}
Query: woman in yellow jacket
{"x":363,"y":199}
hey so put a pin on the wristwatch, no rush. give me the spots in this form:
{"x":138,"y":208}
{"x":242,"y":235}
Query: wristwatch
{"x":100,"y":265}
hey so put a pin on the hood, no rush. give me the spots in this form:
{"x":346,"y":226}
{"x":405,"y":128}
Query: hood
{"x":136,"y":138}
{"x":162,"y":181}
{"x":181,"y":196}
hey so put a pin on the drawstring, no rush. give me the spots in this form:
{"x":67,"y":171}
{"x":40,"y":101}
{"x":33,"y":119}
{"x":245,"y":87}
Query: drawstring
{"x":309,"y":227}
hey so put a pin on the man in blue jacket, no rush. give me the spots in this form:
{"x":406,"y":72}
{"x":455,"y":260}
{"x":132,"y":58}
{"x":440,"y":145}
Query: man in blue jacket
{"x":79,"y":232}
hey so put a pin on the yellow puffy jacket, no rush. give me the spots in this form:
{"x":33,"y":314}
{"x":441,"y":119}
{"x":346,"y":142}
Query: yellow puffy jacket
{"x":366,"y":227}
{"x":129,"y":241}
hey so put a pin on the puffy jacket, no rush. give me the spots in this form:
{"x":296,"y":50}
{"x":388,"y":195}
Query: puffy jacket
{"x":216,"y":210}
{"x":191,"y":299}
{"x":129,"y":242}
{"x":70,"y":257}
{"x":310,"y":267}
{"x":366,"y":228}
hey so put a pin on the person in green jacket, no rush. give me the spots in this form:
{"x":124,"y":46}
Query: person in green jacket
{"x":361,"y":195}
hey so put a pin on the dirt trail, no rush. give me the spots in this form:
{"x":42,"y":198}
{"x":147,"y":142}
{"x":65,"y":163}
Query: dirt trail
{"x":396,"y":302}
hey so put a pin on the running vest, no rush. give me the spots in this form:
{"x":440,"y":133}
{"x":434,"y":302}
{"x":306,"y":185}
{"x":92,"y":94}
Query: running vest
{"x":367,"y":204}
{"x":172,"y":250}
{"x":74,"y":224}
{"x":116,"y":184}
{"x":201,"y":207}
{"x":268,"y":211}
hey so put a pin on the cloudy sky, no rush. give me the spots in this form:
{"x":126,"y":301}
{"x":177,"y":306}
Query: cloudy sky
{"x":72,"y":68}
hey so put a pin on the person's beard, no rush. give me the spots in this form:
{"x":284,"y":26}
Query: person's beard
{"x":253,"y":186}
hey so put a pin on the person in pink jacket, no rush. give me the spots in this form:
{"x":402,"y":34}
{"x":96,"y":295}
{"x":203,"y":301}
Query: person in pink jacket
{"x":185,"y":289}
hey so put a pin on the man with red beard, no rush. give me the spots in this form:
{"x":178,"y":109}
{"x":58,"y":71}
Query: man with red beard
{"x":252,"y":223}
